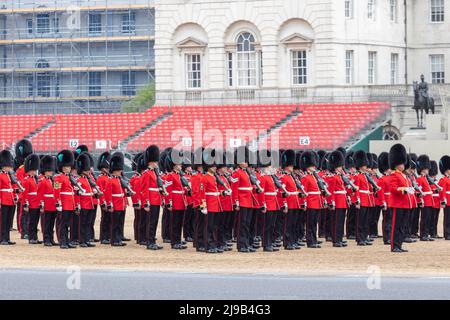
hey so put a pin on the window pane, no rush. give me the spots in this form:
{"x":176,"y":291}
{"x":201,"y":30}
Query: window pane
{"x":299,"y":67}
{"x":193,"y":67}
{"x":246,"y":60}
{"x":43,"y":23}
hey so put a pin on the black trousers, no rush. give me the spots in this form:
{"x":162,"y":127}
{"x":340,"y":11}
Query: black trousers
{"x":362,"y":224}
{"x":116,"y":224}
{"x":259,"y":223}
{"x":11,"y":218}
{"x":387,"y":225}
{"x":312,"y":220}
{"x":351,"y":221}
{"x":447,"y":223}
{"x":65,"y":225}
{"x":211,"y":230}
{"x":426,"y":216}
{"x":143,"y":226}
{"x":228,"y":220}
{"x":199,"y":233}
{"x":5,"y":226}
{"x":220,"y":229}
{"x":279,"y":225}
{"x":165,"y":228}
{"x":84,"y":225}
{"x":151,"y":219}
{"x":24,"y":218}
{"x":253,"y":225}
{"x":399,"y":216}
{"x":338,"y":223}
{"x":414,"y":218}
{"x":435,"y":222}
{"x":301,"y":227}
{"x":290,"y":228}
{"x":322,"y":223}
{"x":92,"y":219}
{"x":105,"y":225}
{"x":74,"y":228}
{"x":189,"y":222}
{"x":268,"y":228}
{"x":49,"y":218}
{"x":374,"y":217}
{"x":136,"y":224}
{"x":243,"y":228}
{"x":176,"y":226}
{"x":33,"y":221}
{"x":122,"y":225}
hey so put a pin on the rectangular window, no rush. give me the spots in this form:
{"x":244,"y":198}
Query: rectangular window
{"x":348,"y":9}
{"x":128,"y":84}
{"x":55,"y":25}
{"x":193,"y":71}
{"x":437,"y":68}
{"x":30,"y":82}
{"x":43,"y":85}
{"x":95,"y":82}
{"x":371,"y":9}
{"x":129,"y":22}
{"x":43,"y":23}
{"x":299,"y":67}
{"x":230,"y":68}
{"x":394,"y":68}
{"x":95,"y":23}
{"x":437,"y":10}
{"x":246,"y":68}
{"x":393,"y":10}
{"x":372,"y":70}
{"x":30,"y":26}
{"x":57,"y":85}
{"x":349,"y":67}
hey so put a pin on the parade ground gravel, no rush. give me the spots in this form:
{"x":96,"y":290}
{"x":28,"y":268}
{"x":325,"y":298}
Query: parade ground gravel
{"x":423,"y":258}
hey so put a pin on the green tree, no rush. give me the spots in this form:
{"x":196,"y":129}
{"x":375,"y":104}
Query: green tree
{"x":144,"y":99}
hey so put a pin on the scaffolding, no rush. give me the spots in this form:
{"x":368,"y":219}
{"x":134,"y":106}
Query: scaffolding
{"x":74,"y":56}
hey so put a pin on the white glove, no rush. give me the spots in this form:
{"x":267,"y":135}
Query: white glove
{"x":410,"y":190}
{"x":204,"y":211}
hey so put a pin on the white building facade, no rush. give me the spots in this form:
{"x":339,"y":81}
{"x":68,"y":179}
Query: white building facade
{"x":268,"y":51}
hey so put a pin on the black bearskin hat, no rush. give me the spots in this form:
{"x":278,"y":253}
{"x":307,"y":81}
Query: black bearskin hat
{"x":81,"y":148}
{"x":6,"y":159}
{"x":135,"y":161}
{"x":173,"y":157}
{"x":48,"y":163}
{"x":187,"y":160}
{"x":324,"y":164}
{"x":264,"y":158}
{"x":383,"y":162}
{"x":117,"y":161}
{"x":104,"y":161}
{"x":433,"y":168}
{"x":141,"y":165}
{"x":83,"y":162}
{"x":242,"y":154}
{"x":209,"y":158}
{"x":349,"y":162}
{"x":308,"y":159}
{"x":23,"y":149}
{"x":335,"y":160}
{"x":152,"y":154}
{"x":444,"y":164}
{"x":397,"y":156}
{"x":32,"y":162}
{"x":298,"y":156}
{"x":423,"y":162}
{"x":360,"y":158}
{"x":342,"y":150}
{"x":374,"y":161}
{"x":412,"y":161}
{"x":65,"y":158}
{"x":288,"y":158}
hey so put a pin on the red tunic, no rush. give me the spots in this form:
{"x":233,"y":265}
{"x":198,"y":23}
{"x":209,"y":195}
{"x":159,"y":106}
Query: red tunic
{"x":338,"y":191}
{"x":225,"y":201}
{"x":64,"y":192}
{"x":364,"y":191}
{"x":270,"y":195}
{"x":6,"y":189}
{"x":85,"y":200}
{"x":101,"y":183}
{"x":445,"y":192}
{"x":46,"y":194}
{"x":115,"y":195}
{"x":30,"y":194}
{"x":196,"y":186}
{"x":426,"y":189}
{"x":176,"y":191}
{"x":135,"y":184}
{"x":242,"y":189}
{"x":211,"y":193}
{"x":314,"y":199}
{"x":385,"y":192}
{"x":398,"y":199}
{"x":291,"y":199}
{"x":149,"y":189}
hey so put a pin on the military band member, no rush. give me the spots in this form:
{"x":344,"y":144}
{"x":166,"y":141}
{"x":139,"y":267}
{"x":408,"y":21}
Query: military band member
{"x":374,"y":216}
{"x":95,"y":199}
{"x":136,"y":199}
{"x":426,"y":212}
{"x":7,"y":195}
{"x":436,"y":203}
{"x":383,"y":183}
{"x":105,"y":218}
{"x":31,"y":202}
{"x":116,"y":198}
{"x":46,"y":194}
{"x":444,"y":194}
{"x":23,"y":149}
{"x":402,"y":195}
{"x":197,"y":189}
{"x":227,"y":217}
{"x":350,"y":221}
{"x":417,"y":202}
{"x":64,"y":192}
{"x":75,"y":219}
{"x":189,"y":216}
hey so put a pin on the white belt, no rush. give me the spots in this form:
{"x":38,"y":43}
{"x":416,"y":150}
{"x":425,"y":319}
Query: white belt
{"x":387,"y":193}
{"x":49,"y":196}
{"x":6,"y":190}
{"x":435,"y":195}
{"x":153,"y":189}
{"x":67,"y":193}
{"x":177,"y":191}
{"x":447,"y":192}
{"x":270,"y":193}
{"x":340,"y":192}
{"x":32,"y":193}
{"x":428,"y":192}
{"x":215,"y":194}
{"x":365,"y":191}
{"x":292,"y":193}
{"x":87,"y":194}
{"x":246,"y":188}
{"x":315,"y":192}
{"x":118,"y":195}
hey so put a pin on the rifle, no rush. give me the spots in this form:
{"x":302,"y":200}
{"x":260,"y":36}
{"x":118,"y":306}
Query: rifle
{"x":185,"y":182}
{"x":433,"y":182}
{"x":254,"y":181}
{"x":416,"y":187}
{"x":348,"y":182}
{"x":94,"y":186}
{"x":374,"y":185}
{"x":160,"y":182}
{"x":124,"y":182}
{"x":322,"y":184}
{"x":75,"y":183}
{"x":14,"y":180}
{"x":299,"y":186}
{"x":223,"y":184}
{"x":279,"y":185}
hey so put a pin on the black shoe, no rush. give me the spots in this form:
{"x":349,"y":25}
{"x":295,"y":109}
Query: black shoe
{"x":387,"y":243}
{"x":189,"y":239}
{"x":90,"y":245}
{"x":289,"y":248}
{"x":142,"y":243}
{"x":362,"y":243}
{"x":95,"y":240}
{"x":83,"y":245}
{"x":368,"y":243}
{"x":48,"y":244}
{"x":227,"y":248}
{"x":337,"y":245}
{"x":369,"y":240}
{"x":344,"y":244}
{"x":404,"y":250}
{"x":74,"y":243}
{"x":251,"y":249}
{"x":397,"y":250}
{"x":243,"y":250}
{"x":126,"y":239}
{"x":32,"y":241}
{"x":424,"y":239}
{"x":344,"y":241}
{"x":408,"y":240}
{"x":54,"y":243}
{"x":63,"y":246}
{"x":296,"y":247}
{"x":200,"y":249}
{"x":105,"y":242}
{"x":314,"y":246}
{"x":268,"y":249}
{"x":319,"y":242}
{"x":211,"y":251}
{"x":431,"y":239}
{"x":115,"y":244}
{"x":301,"y":244}
{"x":351,"y":237}
{"x":166,"y":241}
{"x":275,"y":249}
{"x":447,"y":238}
{"x":152,"y":246}
{"x":220,"y":250}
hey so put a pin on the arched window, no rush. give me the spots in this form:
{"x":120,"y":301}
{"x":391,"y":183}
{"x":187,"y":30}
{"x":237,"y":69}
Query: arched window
{"x":246,"y":60}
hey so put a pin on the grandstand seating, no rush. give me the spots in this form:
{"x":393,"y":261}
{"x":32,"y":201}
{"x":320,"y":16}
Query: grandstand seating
{"x":327,"y":125}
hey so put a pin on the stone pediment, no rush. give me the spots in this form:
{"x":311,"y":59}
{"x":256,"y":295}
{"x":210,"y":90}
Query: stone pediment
{"x":297,"y":39}
{"x":191,"y":42}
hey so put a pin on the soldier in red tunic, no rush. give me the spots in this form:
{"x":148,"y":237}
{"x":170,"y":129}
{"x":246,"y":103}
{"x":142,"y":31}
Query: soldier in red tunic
{"x":226,"y":225}
{"x":402,"y":196}
{"x":436,"y":203}
{"x":46,"y":194}
{"x":197,"y":187}
{"x":31,"y":202}
{"x":350,"y":222}
{"x":444,"y":167}
{"x":426,"y":212}
{"x":383,"y":183}
{"x":7,"y":201}
{"x":105,"y":218}
{"x":136,"y":201}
